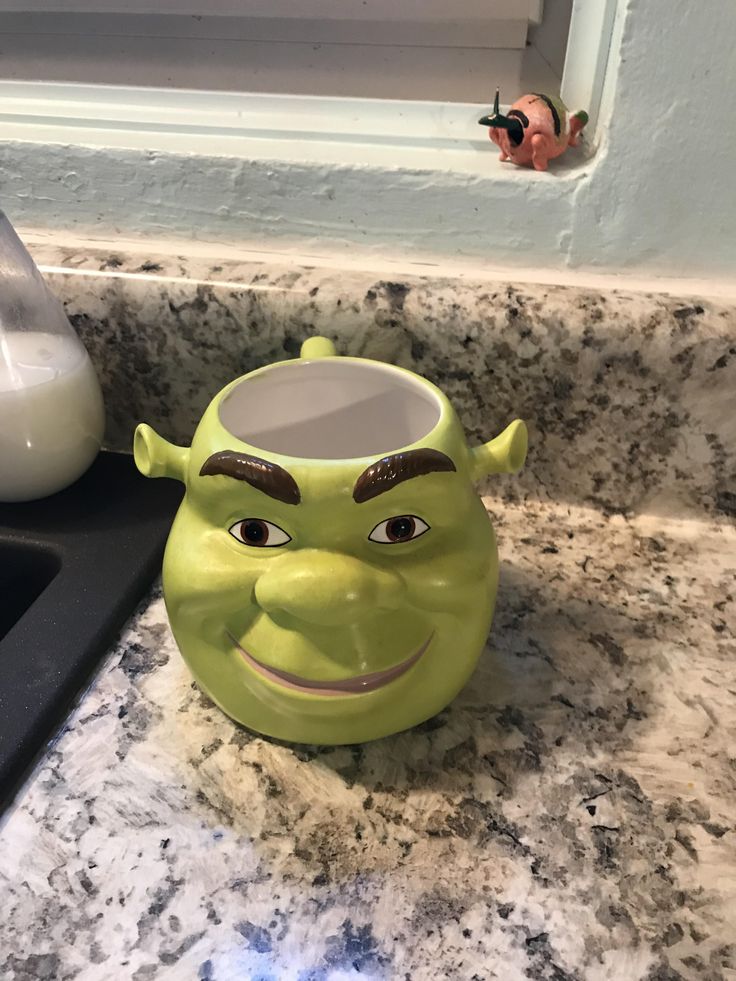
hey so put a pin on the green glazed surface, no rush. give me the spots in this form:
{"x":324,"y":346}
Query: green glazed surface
{"x":332,"y":632}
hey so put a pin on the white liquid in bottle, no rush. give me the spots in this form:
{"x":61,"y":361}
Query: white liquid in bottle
{"x":51,"y":413}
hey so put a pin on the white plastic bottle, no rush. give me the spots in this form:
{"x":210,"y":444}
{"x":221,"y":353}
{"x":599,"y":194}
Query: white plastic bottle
{"x":51,"y":412}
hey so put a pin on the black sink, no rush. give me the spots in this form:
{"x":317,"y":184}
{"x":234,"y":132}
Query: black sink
{"x":72,"y":569}
{"x":25,"y":571}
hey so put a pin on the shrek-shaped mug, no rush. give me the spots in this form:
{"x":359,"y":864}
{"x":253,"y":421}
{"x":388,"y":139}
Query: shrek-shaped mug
{"x":331,"y":574}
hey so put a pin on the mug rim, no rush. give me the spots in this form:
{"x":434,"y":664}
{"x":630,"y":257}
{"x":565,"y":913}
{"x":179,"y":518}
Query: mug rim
{"x":442,"y":404}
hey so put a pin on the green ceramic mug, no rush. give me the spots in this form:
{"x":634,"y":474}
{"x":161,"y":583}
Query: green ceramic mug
{"x":331,"y":574}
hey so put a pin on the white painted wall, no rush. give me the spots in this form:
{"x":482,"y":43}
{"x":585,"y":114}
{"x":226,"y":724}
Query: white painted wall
{"x":663,"y":195}
{"x":659,"y":197}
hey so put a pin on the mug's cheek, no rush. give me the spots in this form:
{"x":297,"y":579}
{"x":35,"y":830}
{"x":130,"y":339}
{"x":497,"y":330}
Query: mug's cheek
{"x":205,"y":581}
{"x":457,"y":582}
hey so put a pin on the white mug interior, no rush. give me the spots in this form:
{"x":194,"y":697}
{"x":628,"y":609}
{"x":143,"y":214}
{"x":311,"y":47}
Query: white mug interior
{"x":330,"y":409}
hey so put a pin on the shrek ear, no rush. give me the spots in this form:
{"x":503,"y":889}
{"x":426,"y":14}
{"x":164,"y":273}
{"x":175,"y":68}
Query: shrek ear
{"x":156,"y":457}
{"x":504,"y":454}
{"x":317,"y":347}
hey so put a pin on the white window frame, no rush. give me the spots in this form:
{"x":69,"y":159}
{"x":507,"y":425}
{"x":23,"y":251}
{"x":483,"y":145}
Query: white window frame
{"x":414,"y":49}
{"x":473,"y":23}
{"x":436,"y":136}
{"x":283,"y":174}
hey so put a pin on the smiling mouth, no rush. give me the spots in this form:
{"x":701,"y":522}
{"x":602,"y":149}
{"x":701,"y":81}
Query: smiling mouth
{"x":359,"y":684}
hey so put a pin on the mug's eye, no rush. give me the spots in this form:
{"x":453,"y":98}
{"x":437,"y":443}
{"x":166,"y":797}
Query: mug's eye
{"x":402,"y":528}
{"x":260,"y":533}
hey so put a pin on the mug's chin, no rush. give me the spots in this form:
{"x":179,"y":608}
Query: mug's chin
{"x":355,"y":685}
{"x":266,"y":704}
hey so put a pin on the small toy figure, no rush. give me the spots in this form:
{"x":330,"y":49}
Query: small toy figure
{"x":537,"y":129}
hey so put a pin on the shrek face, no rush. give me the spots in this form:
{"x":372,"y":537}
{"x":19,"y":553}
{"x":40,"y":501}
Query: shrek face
{"x":329,"y":600}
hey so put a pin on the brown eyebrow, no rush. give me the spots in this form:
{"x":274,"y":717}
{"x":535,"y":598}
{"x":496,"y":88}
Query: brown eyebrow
{"x":261,"y":474}
{"x":392,"y":470}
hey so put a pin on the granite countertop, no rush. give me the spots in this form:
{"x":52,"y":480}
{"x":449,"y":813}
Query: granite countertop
{"x":570,"y":816}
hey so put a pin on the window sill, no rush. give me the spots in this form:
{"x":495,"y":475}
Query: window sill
{"x":386,"y":134}
{"x":280,"y":173}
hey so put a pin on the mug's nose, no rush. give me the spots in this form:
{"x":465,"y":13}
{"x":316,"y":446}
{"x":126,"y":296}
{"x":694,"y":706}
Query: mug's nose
{"x":326,"y":588}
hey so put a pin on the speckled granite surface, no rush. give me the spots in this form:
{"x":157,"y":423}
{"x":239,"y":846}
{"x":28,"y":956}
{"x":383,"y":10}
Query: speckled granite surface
{"x":629,"y":397}
{"x":569,"y":818}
